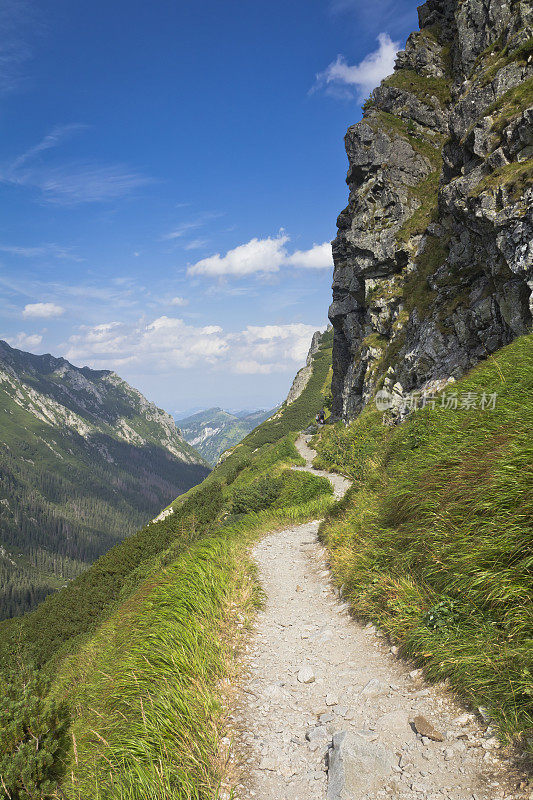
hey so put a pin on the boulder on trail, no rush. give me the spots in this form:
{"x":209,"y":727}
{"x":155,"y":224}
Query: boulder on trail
{"x":356,"y":766}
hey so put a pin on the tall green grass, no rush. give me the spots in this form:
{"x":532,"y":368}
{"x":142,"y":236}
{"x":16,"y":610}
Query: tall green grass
{"x":140,"y":647}
{"x":435,"y":540}
{"x":147,"y":688}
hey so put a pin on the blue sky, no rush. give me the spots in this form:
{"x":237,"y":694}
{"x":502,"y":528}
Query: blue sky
{"x":170,"y":175}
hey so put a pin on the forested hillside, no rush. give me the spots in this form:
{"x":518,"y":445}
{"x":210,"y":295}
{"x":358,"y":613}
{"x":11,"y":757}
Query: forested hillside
{"x":213,"y":431}
{"x":84,"y":461}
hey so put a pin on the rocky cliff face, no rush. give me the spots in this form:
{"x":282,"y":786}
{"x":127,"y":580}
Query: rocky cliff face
{"x":301,"y":378}
{"x":434,"y":252}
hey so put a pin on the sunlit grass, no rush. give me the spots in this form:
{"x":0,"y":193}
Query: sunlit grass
{"x":147,"y":688}
{"x":435,"y":542}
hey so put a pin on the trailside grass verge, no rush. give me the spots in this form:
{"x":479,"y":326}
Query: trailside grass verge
{"x":434,"y":541}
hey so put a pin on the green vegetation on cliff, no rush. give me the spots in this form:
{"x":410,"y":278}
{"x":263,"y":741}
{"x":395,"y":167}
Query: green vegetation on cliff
{"x":434,"y":541}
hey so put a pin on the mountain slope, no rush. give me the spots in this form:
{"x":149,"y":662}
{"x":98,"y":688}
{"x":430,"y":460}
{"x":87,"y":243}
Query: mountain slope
{"x":213,"y":431}
{"x":157,"y":617}
{"x":434,"y":252}
{"x":142,"y":645}
{"x":84,"y":460}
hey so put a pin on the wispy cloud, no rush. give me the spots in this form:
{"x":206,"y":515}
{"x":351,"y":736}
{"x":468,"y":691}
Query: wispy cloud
{"x":196,"y":244}
{"x":18,"y":25}
{"x":44,"y":250}
{"x":52,"y":139}
{"x":85,"y":183}
{"x":73,"y":182}
{"x":363,"y":77}
{"x":262,"y":256}
{"x":182,"y":230}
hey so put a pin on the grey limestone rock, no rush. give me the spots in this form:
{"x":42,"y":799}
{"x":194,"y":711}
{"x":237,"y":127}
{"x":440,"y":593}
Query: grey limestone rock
{"x":357,"y":766}
{"x":434,"y":251}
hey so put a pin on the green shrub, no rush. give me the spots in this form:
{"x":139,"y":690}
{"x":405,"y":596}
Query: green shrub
{"x":423,"y":86}
{"x":256,"y":496}
{"x":32,"y":737}
{"x":204,"y":504}
{"x":301,"y":487}
{"x":235,"y":467}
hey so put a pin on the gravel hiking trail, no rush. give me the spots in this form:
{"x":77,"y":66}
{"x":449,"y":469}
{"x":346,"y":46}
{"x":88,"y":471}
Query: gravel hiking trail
{"x":325,"y":709}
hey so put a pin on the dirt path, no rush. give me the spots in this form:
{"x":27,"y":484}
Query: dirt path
{"x":313,"y":672}
{"x":340,"y":484}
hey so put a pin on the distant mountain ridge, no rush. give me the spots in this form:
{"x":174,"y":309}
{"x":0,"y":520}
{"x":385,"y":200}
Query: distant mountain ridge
{"x":214,"y":430}
{"x":85,"y":459}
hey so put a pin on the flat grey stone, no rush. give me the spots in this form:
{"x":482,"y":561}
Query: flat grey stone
{"x":357,"y":766}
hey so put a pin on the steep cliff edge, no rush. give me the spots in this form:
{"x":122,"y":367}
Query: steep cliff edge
{"x":434,"y":252}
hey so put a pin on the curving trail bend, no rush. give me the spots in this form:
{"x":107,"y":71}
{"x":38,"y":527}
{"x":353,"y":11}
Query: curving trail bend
{"x":313,"y":672}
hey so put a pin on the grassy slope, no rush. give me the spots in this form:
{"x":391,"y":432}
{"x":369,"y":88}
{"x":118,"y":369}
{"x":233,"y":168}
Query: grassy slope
{"x":434,"y":542}
{"x":140,"y":643}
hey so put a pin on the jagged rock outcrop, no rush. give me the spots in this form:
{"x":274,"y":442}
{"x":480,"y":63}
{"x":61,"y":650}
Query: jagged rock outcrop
{"x":301,"y":378}
{"x":434,"y":252}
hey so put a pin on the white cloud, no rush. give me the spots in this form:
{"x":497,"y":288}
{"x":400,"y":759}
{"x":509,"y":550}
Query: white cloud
{"x":44,"y":310}
{"x":24,"y":341}
{"x":179,"y":301}
{"x":167,"y":343}
{"x":366,"y":75}
{"x":318,"y":257}
{"x":251,"y":367}
{"x":262,"y":256}
{"x":257,"y":255}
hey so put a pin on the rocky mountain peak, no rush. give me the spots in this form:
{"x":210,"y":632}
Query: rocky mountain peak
{"x":434,"y":252}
